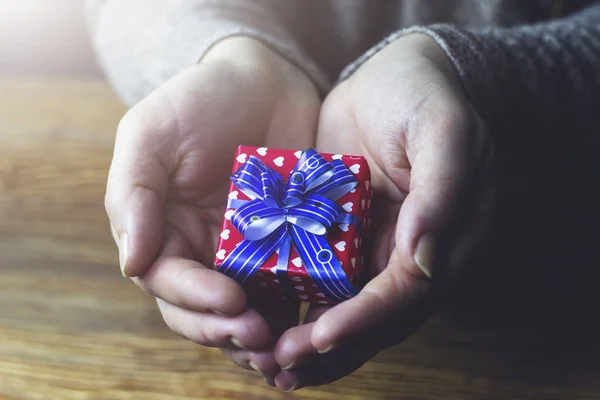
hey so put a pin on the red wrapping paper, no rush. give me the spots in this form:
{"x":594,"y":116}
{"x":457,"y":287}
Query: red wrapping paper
{"x":346,"y":241}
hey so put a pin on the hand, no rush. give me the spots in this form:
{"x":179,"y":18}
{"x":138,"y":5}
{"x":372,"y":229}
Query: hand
{"x":168,"y":183}
{"x":431,"y":157}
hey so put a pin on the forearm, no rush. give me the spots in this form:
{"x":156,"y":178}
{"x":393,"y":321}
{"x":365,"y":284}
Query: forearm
{"x":143,"y":43}
{"x":536,"y":86}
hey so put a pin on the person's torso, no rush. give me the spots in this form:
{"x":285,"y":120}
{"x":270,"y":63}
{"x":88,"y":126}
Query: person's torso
{"x":356,"y":25}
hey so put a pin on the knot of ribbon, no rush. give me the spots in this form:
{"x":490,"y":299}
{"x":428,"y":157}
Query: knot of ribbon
{"x":299,"y":212}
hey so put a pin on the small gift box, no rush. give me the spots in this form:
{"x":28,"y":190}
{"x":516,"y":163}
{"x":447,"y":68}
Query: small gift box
{"x":294,"y":224}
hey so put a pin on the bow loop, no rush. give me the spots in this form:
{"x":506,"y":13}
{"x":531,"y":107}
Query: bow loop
{"x":295,"y":189}
{"x":271,"y":193}
{"x":257,"y":219}
{"x":316,"y":214}
{"x":316,"y":168}
{"x":341,"y":182}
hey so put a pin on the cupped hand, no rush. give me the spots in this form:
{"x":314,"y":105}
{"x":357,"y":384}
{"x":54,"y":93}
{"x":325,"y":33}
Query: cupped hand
{"x":431,"y":161}
{"x":168,"y":182}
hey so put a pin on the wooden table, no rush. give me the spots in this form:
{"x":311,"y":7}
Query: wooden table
{"x":72,"y":328}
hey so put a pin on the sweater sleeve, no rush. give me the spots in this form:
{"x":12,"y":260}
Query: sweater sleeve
{"x":537,"y":87}
{"x":142,"y":43}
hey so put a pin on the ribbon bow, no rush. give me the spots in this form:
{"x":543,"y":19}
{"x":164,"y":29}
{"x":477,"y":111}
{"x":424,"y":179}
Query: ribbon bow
{"x":299,"y":213}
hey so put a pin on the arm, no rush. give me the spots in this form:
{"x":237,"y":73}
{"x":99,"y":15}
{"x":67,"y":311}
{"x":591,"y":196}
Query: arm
{"x":536,"y":86}
{"x":143,"y":43}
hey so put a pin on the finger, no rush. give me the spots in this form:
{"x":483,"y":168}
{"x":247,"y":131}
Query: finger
{"x":294,"y":348}
{"x":137,"y":185}
{"x":190,"y":285}
{"x":261,"y":361}
{"x":327,"y":368}
{"x":393,"y":298}
{"x":471,"y":240}
{"x":248,"y":330}
{"x":446,"y":149}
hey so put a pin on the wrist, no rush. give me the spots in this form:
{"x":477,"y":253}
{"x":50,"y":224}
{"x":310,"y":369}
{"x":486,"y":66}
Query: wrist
{"x":427,"y":47}
{"x":239,"y":50}
{"x":247,"y":54}
{"x":260,"y":61}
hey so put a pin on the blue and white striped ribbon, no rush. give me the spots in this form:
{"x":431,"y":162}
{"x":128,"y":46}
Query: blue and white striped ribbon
{"x":299,"y":213}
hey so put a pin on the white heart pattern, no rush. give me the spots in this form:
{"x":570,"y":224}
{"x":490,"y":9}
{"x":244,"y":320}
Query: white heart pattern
{"x":300,"y":288}
{"x":341,"y":246}
{"x":362,"y":203}
{"x":228,"y":214}
{"x":347,"y":206}
{"x":356,"y":242}
{"x":221,"y":254}
{"x":233,"y":195}
{"x":353,"y":262}
{"x":297,"y":279}
{"x":279,"y":161}
{"x":355,"y":169}
{"x":297,"y":262}
{"x":262,"y":151}
{"x":225,"y":234}
{"x":367,"y":183}
{"x":242,"y":158}
{"x":344,"y":227}
{"x":336,"y":157}
{"x":298,"y":154}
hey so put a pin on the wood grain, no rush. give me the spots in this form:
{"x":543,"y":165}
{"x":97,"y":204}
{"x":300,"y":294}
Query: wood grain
{"x":72,"y":328}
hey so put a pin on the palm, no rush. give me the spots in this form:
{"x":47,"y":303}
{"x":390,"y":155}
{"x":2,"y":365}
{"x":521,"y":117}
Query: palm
{"x":340,"y":133}
{"x":344,"y":135}
{"x":209,"y":121}
{"x":423,"y":142}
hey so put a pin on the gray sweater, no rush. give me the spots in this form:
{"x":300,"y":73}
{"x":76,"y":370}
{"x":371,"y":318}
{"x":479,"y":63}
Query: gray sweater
{"x":531,"y":68}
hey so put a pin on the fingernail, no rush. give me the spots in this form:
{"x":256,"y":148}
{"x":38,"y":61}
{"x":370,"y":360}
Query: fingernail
{"x":270,"y":380}
{"x":283,"y":380}
{"x":236,"y":343}
{"x":292,"y":388}
{"x":289,"y":366}
{"x":327,"y":349}
{"x":123,"y":252}
{"x":253,"y":366}
{"x":424,"y":254}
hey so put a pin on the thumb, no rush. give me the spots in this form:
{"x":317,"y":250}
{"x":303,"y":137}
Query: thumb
{"x":136,"y":191}
{"x":444,"y":155}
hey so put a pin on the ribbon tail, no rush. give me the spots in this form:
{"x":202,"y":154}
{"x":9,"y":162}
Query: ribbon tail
{"x":282,"y":268}
{"x":322,"y":265}
{"x":235,"y":203}
{"x":245,"y":259}
{"x":350,"y":219}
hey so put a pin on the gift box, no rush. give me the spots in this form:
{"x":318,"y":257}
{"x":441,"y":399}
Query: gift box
{"x":294,"y":224}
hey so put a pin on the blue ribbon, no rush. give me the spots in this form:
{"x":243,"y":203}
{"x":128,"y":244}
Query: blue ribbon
{"x":299,"y":212}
